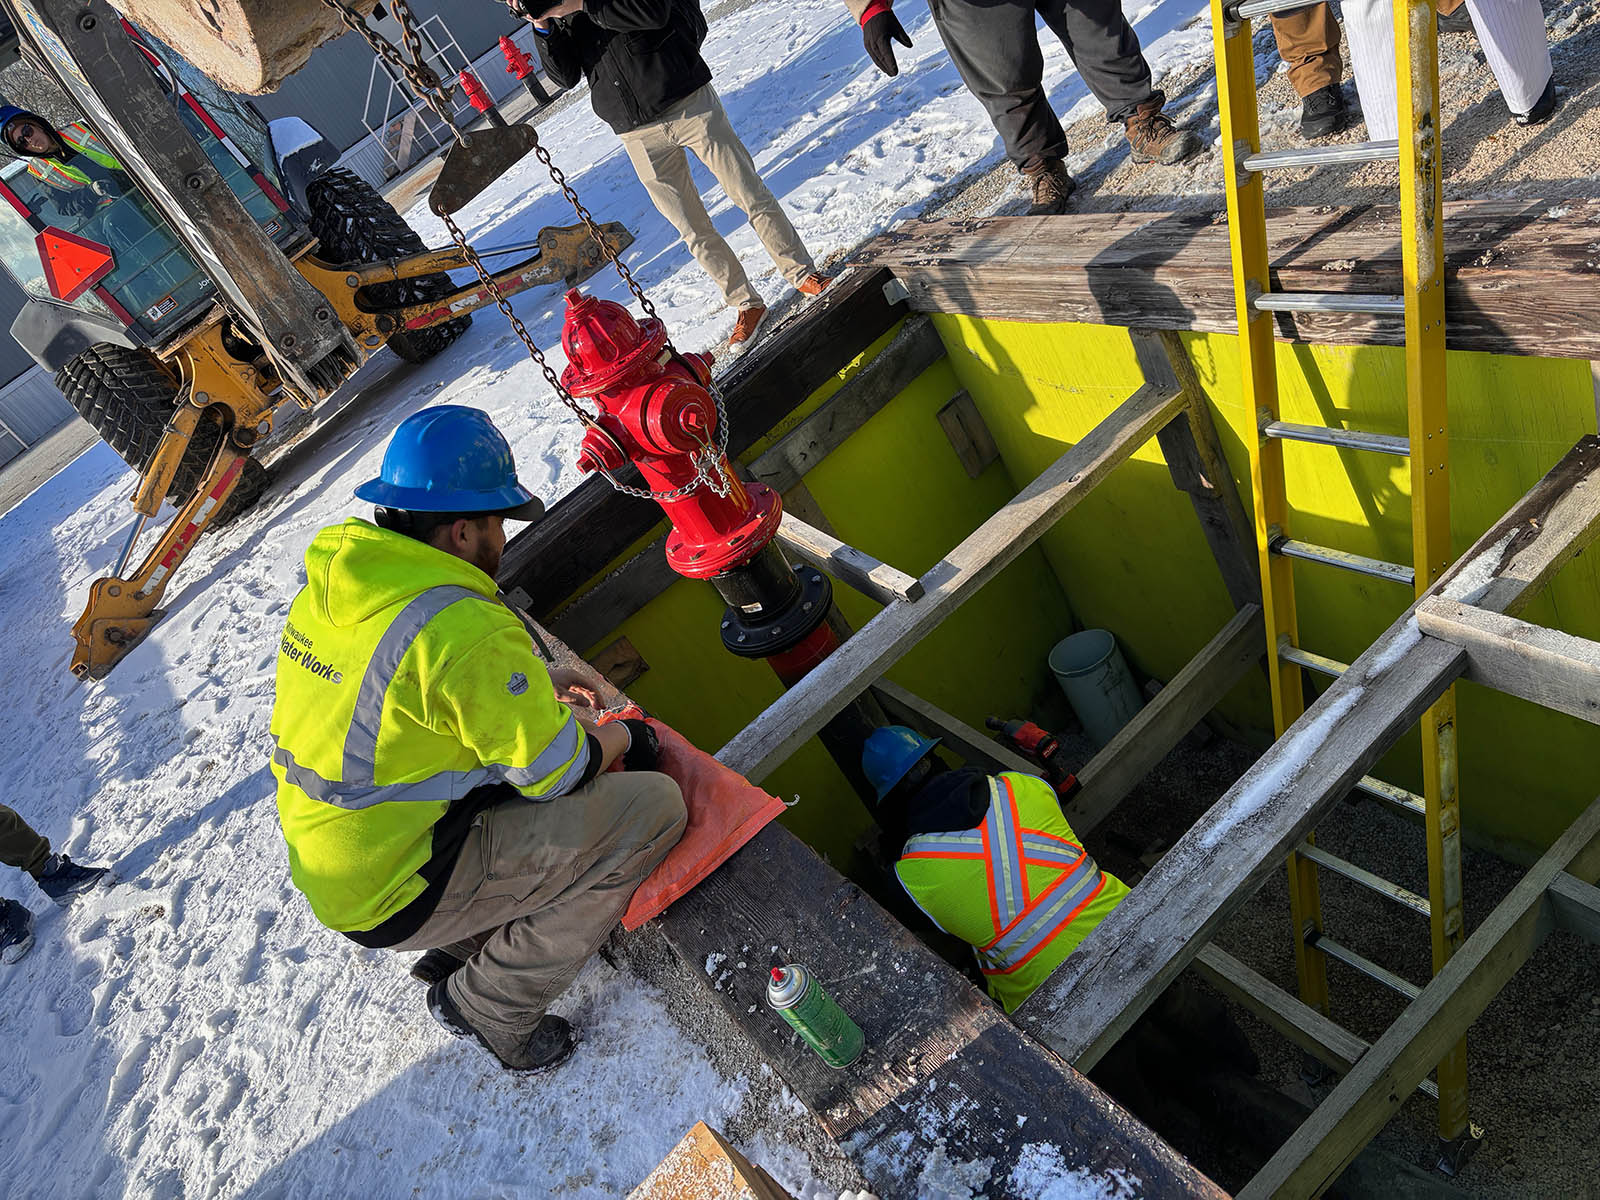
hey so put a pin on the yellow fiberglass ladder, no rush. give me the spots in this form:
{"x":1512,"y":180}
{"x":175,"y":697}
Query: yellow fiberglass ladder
{"x":1422,"y":305}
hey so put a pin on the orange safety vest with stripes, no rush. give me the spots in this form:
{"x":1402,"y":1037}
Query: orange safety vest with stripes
{"x":60,"y":174}
{"x":1018,"y":888}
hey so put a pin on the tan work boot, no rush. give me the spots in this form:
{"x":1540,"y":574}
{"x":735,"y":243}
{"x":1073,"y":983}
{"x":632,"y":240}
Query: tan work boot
{"x":745,"y":327}
{"x":1155,"y":138}
{"x":1052,"y":187}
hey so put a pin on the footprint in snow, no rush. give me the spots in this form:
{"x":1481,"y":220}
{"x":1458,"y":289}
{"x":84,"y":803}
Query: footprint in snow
{"x":73,"y":1006}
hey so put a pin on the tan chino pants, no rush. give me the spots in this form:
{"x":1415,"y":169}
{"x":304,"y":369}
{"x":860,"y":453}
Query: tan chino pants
{"x":1308,"y":43}
{"x":537,"y":888}
{"x":698,"y":123}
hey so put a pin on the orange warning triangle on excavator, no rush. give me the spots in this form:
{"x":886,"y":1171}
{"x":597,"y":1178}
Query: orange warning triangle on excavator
{"x":72,"y":264}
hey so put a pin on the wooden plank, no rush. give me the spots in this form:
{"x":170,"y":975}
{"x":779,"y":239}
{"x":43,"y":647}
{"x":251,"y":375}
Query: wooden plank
{"x":1176,"y":709}
{"x":1324,"y":1039}
{"x":615,"y":598}
{"x":914,"y":349}
{"x":1550,"y":668}
{"x":1375,"y":1087}
{"x":1195,"y":460}
{"x":591,"y":525}
{"x":944,"y":1074}
{"x":1576,"y":906}
{"x":976,"y":748}
{"x":1097,"y":993}
{"x":705,"y":1166}
{"x":969,"y":435}
{"x":805,"y":708}
{"x":1517,"y":279}
{"x":860,"y":570}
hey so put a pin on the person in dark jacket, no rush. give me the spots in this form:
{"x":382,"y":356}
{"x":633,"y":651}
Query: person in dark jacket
{"x":649,"y":83}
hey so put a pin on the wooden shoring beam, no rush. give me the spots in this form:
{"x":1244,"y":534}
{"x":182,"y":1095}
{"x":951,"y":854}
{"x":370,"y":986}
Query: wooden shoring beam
{"x":1376,"y":1086}
{"x":1176,"y":709}
{"x":804,"y":709}
{"x":896,"y":367}
{"x":869,"y":576}
{"x":1131,"y":957}
{"x":907,"y":708}
{"x":614,"y":599}
{"x":589,"y":527}
{"x":1576,"y":907}
{"x":1553,"y":669}
{"x":1516,"y":273}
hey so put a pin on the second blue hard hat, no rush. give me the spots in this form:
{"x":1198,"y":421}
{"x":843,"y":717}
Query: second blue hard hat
{"x":450,"y":459}
{"x":889,"y":752}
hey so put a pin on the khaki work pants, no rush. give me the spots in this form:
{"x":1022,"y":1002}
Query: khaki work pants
{"x":1308,"y":43}
{"x":20,"y":846}
{"x":537,"y":888}
{"x":657,"y":152}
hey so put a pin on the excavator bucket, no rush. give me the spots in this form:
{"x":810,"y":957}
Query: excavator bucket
{"x":245,"y":45}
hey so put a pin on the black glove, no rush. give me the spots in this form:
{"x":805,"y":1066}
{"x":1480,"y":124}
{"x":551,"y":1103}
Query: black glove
{"x":643,"y":749}
{"x":877,"y":34}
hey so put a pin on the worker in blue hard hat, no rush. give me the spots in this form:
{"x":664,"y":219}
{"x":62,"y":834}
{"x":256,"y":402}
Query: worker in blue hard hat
{"x":436,"y":790}
{"x":75,"y":163}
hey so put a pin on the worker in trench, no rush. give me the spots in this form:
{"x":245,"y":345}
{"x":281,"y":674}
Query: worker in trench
{"x":435,"y":789}
{"x":991,"y":860}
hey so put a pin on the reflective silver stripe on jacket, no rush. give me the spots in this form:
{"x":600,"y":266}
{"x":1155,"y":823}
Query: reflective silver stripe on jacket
{"x":1005,"y":853}
{"x":359,"y":790}
{"x":1046,"y":915}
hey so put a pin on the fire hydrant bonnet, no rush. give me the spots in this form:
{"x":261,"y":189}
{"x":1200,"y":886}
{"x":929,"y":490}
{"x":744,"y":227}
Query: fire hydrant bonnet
{"x":450,"y":459}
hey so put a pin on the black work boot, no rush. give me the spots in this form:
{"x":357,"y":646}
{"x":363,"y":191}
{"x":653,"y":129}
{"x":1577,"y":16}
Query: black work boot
{"x":1155,"y":138}
{"x":547,"y":1046}
{"x":1052,"y":187}
{"x":1542,"y":107}
{"x":62,"y":879}
{"x":1323,"y":112}
{"x":434,"y":966}
{"x":16,"y":931}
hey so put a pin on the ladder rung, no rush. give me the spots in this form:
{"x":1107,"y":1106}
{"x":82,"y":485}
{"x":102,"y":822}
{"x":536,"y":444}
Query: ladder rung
{"x":1346,"y":439}
{"x":1359,"y":563}
{"x":1377,"y":883}
{"x":1318,"y":156}
{"x":1332,"y":302}
{"x":1266,"y":8}
{"x":1397,"y":797}
{"x":1333,"y":949}
{"x":1305,"y":658}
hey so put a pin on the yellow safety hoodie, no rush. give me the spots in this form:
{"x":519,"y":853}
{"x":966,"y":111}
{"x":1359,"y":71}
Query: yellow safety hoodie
{"x":61,"y":173}
{"x":1018,"y":888}
{"x":402,"y":686}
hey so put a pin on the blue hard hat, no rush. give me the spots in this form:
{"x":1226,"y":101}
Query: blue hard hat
{"x":889,"y":752}
{"x":10,"y":112}
{"x":450,"y":459}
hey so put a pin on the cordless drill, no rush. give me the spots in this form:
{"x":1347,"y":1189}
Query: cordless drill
{"x":1040,"y":747}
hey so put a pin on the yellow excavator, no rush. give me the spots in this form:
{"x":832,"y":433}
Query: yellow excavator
{"x":221,"y":267}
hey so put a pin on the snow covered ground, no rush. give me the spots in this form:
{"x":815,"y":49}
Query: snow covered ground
{"x":193,"y":1031}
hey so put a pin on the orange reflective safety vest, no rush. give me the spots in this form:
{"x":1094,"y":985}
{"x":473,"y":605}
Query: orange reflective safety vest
{"x":59,"y":173}
{"x":1018,"y":888}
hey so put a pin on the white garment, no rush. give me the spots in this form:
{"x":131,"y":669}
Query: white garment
{"x":1511,"y":33}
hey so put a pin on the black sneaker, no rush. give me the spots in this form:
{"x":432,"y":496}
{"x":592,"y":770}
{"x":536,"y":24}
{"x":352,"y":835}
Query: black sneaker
{"x":547,"y":1046}
{"x":434,"y":966}
{"x":1323,"y":112}
{"x":1542,"y":107}
{"x":16,"y":931}
{"x":62,"y":879}
{"x":1459,"y":21}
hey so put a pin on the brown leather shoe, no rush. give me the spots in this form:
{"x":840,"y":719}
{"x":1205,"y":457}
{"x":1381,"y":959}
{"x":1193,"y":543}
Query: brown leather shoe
{"x":1155,"y":138}
{"x":745,"y":327}
{"x":813,"y":284}
{"x":1052,"y":187}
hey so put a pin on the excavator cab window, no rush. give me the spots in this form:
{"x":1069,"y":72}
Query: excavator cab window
{"x":153,"y":283}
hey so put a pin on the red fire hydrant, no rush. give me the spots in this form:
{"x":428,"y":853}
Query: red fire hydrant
{"x":479,"y":98}
{"x":517,"y":61}
{"x":657,"y":412}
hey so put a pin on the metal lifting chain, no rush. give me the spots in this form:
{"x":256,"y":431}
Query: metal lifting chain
{"x":427,"y":84}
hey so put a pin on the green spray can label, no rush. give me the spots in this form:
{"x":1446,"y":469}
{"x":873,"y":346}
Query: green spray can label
{"x":815,"y":1015}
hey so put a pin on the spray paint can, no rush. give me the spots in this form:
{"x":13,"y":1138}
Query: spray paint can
{"x":815,"y":1015}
